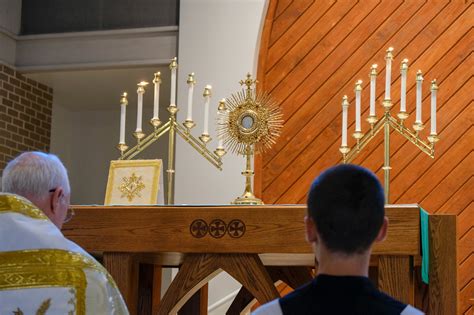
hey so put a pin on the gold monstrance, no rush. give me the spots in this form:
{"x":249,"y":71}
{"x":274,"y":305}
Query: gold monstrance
{"x":249,"y":123}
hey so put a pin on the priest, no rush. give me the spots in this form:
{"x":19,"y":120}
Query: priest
{"x":41,"y":272}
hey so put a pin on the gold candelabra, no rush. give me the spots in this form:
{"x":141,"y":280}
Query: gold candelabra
{"x":388,"y":121}
{"x":172,"y":127}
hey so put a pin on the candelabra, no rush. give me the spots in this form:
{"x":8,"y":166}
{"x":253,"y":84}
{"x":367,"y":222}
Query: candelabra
{"x":388,"y":121}
{"x":172,"y":127}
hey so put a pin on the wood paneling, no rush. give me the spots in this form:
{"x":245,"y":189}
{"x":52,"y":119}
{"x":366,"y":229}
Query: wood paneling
{"x":311,"y":54}
{"x":164,"y":229}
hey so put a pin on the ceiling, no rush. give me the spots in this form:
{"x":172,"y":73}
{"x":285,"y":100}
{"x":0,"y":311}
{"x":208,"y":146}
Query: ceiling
{"x":101,"y":89}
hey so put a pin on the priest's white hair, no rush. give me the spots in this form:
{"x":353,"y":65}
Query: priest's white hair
{"x":34,"y":174}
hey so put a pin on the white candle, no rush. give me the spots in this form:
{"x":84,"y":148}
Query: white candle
{"x":358,"y":90}
{"x":156,"y":97}
{"x":123,"y":110}
{"x":207,"y":98}
{"x":140,"y":92}
{"x":221,"y":112}
{"x":419,"y":81}
{"x":373,"y":79}
{"x":403,"y":85}
{"x":173,"y":67}
{"x":191,"y":82}
{"x":345,"y":106}
{"x":388,"y":72}
{"x":434,"y":90}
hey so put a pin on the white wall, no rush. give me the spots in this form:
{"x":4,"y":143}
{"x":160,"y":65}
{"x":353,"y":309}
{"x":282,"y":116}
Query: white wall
{"x":10,"y":23}
{"x":85,"y":140}
{"x":218,"y":40}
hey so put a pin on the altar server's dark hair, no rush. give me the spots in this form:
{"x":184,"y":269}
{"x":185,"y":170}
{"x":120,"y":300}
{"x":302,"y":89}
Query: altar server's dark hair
{"x":347,"y":204}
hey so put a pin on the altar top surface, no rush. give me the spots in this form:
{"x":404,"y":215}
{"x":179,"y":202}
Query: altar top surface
{"x":218,"y":229}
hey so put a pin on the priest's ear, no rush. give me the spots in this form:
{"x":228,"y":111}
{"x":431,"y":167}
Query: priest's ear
{"x":58,"y":207}
{"x":311,"y":233}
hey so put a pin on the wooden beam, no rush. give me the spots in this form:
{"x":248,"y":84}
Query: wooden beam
{"x":263,"y":229}
{"x":443,"y":286}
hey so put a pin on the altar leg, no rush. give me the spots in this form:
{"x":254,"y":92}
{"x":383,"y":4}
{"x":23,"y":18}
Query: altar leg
{"x":396,"y":277}
{"x":249,"y":271}
{"x":123,"y":268}
{"x":198,"y":269}
{"x":292,"y":276}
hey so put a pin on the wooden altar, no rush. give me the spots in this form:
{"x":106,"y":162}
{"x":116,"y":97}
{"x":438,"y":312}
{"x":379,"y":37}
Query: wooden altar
{"x":246,"y":241}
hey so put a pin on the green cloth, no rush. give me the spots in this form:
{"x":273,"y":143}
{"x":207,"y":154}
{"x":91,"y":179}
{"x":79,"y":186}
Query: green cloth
{"x":425,"y":246}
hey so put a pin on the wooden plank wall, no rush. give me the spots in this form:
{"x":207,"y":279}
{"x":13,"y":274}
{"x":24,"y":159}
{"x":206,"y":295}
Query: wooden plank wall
{"x":311,"y":54}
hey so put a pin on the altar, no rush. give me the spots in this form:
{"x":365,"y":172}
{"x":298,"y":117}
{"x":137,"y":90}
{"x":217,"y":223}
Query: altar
{"x":246,"y":241}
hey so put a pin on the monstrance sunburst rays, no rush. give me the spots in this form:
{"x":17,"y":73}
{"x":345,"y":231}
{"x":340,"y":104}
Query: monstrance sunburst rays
{"x":251,"y":119}
{"x":250,"y":122}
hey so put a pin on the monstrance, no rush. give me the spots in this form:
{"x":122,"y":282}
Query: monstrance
{"x":249,"y":123}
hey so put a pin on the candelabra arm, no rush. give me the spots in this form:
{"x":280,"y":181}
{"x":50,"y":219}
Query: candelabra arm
{"x":145,"y":142}
{"x":411,"y":136}
{"x":364,"y":141}
{"x":199,"y":146}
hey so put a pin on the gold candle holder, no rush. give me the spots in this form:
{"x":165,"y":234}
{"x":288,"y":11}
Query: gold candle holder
{"x":385,"y":123}
{"x":173,"y":109}
{"x":155,"y":121}
{"x":205,"y":138}
{"x":189,"y":123}
{"x":172,"y":128}
{"x":122,"y":147}
{"x":344,"y":150}
{"x":139,"y":135}
{"x":220,"y":152}
{"x":402,"y":116}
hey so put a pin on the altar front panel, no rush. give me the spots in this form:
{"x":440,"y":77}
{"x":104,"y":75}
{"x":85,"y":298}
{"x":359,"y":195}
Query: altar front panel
{"x":222,"y":229}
